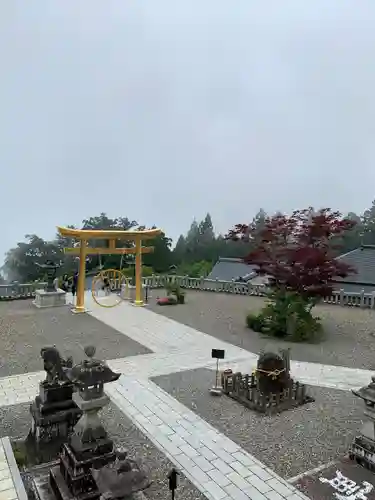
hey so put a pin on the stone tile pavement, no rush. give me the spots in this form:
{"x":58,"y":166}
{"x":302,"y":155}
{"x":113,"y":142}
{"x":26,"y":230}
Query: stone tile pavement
{"x":217,"y":466}
{"x":11,"y":486}
{"x":22,"y":388}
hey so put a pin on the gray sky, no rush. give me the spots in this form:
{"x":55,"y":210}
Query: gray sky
{"x":203,"y":105}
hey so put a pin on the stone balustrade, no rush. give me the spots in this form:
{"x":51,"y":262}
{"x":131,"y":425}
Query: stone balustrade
{"x":16,"y":291}
{"x":354,"y":299}
{"x":361,"y":299}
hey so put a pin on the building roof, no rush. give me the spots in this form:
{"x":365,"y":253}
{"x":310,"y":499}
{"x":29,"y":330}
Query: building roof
{"x":227,"y":269}
{"x":363,"y":260}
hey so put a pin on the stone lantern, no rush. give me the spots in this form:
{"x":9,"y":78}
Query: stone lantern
{"x":89,"y":447}
{"x":363,"y":447}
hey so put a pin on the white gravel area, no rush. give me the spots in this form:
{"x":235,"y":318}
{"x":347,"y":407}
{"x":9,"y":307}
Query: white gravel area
{"x":290,"y":443}
{"x":24,"y":330}
{"x":348,"y":339}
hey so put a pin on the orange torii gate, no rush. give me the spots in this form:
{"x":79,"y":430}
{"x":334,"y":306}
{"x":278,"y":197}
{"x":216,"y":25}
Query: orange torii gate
{"x":83,"y":250}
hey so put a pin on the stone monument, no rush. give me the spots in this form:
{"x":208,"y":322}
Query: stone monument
{"x":50,"y":296}
{"x":89,"y":447}
{"x":363,"y":448}
{"x":270,"y":388}
{"x":54,"y":413}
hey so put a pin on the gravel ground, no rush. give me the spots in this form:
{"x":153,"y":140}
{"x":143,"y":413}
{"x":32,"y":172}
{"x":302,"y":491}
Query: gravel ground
{"x":15,"y":422}
{"x":349,"y":333}
{"x":290,"y":443}
{"x":24,"y":330}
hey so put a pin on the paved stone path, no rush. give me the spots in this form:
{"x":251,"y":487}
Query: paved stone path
{"x":214,"y":464}
{"x":217,"y":466}
{"x":11,"y":485}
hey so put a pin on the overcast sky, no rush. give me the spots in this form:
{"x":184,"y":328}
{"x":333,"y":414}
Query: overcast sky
{"x":199,"y":105}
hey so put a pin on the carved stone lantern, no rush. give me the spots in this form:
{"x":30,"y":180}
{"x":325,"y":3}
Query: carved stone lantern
{"x":89,"y":378}
{"x":363,"y":447}
{"x":50,"y":269}
{"x":89,"y":447}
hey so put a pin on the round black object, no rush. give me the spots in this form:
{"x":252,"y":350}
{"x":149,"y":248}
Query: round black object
{"x":272,"y":375}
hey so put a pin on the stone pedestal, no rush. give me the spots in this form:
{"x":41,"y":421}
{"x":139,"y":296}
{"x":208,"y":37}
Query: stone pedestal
{"x":54,"y":413}
{"x":50,"y":299}
{"x":72,"y":478}
{"x":89,"y":448}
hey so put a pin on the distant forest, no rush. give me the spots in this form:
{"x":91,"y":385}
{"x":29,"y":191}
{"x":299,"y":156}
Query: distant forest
{"x":194,"y":254}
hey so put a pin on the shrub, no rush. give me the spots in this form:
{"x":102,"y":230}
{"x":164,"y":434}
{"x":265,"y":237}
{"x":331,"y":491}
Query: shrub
{"x":20,"y":454}
{"x":129,"y":272}
{"x":255,"y":322}
{"x":195,"y":270}
{"x":174,"y":288}
{"x":288,"y":316}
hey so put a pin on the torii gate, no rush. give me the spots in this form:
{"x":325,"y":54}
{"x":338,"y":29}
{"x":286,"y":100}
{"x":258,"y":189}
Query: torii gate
{"x":84,"y":235}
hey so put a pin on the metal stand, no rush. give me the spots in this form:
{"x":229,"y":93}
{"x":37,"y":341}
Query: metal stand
{"x":172,"y":476}
{"x":216,"y":389}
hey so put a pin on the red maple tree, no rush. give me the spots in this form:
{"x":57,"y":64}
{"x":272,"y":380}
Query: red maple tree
{"x":298,"y":251}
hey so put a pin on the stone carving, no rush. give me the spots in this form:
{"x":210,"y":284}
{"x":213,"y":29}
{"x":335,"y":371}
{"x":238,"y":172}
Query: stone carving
{"x":54,"y":413}
{"x":90,"y":376}
{"x":122,"y":478}
{"x":272,"y":373}
{"x":89,"y":448}
{"x":50,"y":269}
{"x":54,"y":364}
{"x":270,"y":388}
{"x":363,"y":447}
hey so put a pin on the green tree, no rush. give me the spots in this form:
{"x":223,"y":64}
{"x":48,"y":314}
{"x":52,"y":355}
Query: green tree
{"x":104,"y":222}
{"x":20,"y":261}
{"x":259,"y":221}
{"x":192,"y":242}
{"x":161,"y":258}
{"x":69,"y":262}
{"x":352,"y":238}
{"x":206,"y":240}
{"x":179,"y":251}
{"x":368,"y":223}
{"x":206,"y":230}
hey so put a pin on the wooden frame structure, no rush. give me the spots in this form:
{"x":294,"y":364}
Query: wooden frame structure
{"x":83,"y":250}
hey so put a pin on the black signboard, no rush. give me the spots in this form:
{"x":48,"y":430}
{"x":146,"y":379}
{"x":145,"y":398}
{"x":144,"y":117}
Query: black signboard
{"x":218,"y":353}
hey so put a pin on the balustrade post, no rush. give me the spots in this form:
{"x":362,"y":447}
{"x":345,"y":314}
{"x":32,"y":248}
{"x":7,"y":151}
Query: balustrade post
{"x":362,"y":299}
{"x":201,"y":283}
{"x":342,"y":300}
{"x":16,"y":289}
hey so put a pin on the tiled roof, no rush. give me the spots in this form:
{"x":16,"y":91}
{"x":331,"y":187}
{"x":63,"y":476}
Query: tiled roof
{"x":227,"y":269}
{"x":363,"y":260}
